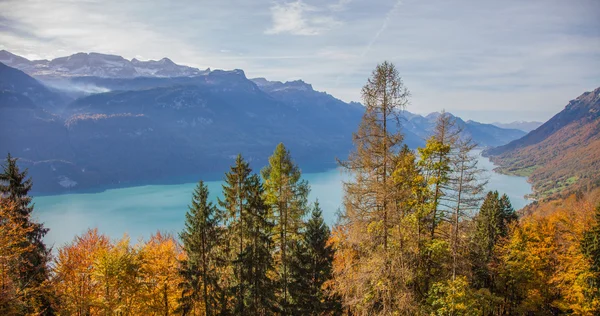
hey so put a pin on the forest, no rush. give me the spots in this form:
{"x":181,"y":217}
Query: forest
{"x":418,"y":234}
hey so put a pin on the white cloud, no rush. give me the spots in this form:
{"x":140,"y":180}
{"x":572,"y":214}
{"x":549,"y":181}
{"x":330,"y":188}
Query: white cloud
{"x":299,"y":18}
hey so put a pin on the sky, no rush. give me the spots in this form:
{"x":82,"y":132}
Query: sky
{"x":483,"y":60}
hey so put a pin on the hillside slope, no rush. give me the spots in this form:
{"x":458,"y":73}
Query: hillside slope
{"x":562,"y":154}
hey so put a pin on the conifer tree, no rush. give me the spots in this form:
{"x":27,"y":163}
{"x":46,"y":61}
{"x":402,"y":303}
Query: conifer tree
{"x":369,"y":273}
{"x":201,"y":240}
{"x":491,"y":224}
{"x":33,"y":271}
{"x":257,"y":259}
{"x":311,"y":267}
{"x":235,"y":206}
{"x":285,"y":194}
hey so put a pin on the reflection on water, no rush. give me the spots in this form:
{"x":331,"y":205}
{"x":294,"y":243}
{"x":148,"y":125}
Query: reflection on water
{"x":141,"y":211}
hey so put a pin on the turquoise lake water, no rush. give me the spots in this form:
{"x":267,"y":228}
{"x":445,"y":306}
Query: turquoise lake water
{"x":143,"y":210}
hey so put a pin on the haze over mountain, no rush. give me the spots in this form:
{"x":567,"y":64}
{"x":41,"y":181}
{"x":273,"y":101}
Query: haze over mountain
{"x":526,"y":126}
{"x":122,"y":128}
{"x":562,"y":153}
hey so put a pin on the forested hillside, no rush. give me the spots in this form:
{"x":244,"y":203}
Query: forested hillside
{"x":419,"y":234}
{"x":563,"y":153}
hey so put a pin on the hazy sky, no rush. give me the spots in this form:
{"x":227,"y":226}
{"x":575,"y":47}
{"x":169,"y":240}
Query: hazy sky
{"x":484,"y":60}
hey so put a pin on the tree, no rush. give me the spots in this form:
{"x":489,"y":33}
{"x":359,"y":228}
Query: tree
{"x":285,"y":194}
{"x":235,"y":206}
{"x":33,"y":272}
{"x":160,"y":276}
{"x":201,"y":238}
{"x":256,"y":260}
{"x":491,"y":225}
{"x":371,"y":273}
{"x":311,"y":267}
{"x":466,"y":186}
{"x":590,"y":245}
{"x":73,"y":271}
{"x":12,"y":238}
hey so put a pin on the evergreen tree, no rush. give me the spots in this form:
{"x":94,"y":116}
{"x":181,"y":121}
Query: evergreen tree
{"x":235,"y":206}
{"x":285,"y":194}
{"x":258,"y":263}
{"x":491,"y":224}
{"x":33,"y":271}
{"x":201,"y":240}
{"x":311,"y":267}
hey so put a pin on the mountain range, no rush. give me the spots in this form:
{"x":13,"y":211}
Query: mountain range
{"x":526,"y":126}
{"x":93,"y":121}
{"x":562,"y":154}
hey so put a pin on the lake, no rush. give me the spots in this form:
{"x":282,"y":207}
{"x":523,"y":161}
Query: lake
{"x":142,"y":210}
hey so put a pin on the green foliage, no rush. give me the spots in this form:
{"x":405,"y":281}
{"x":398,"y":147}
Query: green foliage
{"x":456,"y":297}
{"x":32,"y":270}
{"x":491,"y":225}
{"x":310,"y":268}
{"x":202,"y":241}
{"x":285,"y":194}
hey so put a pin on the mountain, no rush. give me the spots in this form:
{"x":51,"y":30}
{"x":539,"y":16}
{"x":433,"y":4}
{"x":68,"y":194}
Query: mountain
{"x":140,"y":130}
{"x":561,"y":154}
{"x":98,"y":65}
{"x":485,"y":135}
{"x":525,"y":126}
{"x":14,"y":80}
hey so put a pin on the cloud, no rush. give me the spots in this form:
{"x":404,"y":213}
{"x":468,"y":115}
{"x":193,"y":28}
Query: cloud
{"x":299,"y":18}
{"x":341,"y":5}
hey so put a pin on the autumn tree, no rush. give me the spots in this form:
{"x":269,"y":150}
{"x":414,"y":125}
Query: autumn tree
{"x":368,"y":272}
{"x":73,"y":270}
{"x":160,"y":277}
{"x":201,"y":239}
{"x":12,"y":238}
{"x":286,"y":195}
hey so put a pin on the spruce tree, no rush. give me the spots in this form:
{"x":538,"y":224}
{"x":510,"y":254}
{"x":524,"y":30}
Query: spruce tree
{"x":310,"y":268}
{"x":32,"y":271}
{"x":235,"y":206}
{"x":491,"y":224}
{"x":285,"y":194}
{"x":201,"y":241}
{"x":259,"y":261}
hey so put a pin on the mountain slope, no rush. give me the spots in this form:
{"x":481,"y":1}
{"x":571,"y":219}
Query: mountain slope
{"x":16,"y":81}
{"x":563,"y":153}
{"x":170,"y":129}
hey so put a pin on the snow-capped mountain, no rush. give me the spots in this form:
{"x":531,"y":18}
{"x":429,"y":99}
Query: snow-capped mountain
{"x":98,"y":65}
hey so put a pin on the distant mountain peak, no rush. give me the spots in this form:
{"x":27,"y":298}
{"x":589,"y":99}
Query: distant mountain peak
{"x":278,"y":85}
{"x":98,"y":65}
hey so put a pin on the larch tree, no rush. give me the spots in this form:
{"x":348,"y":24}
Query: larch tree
{"x":286,"y":195}
{"x":372,"y":282}
{"x":467,"y":186}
